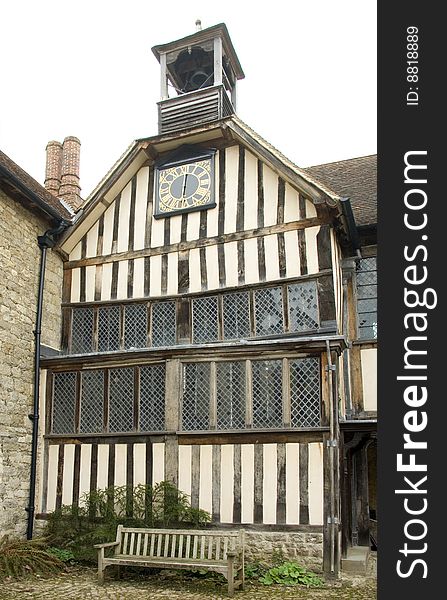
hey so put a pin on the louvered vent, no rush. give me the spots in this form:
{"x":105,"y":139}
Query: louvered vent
{"x":194,"y":108}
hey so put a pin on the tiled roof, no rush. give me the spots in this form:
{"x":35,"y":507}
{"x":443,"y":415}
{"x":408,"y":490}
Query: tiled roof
{"x":355,"y":178}
{"x":32,"y":190}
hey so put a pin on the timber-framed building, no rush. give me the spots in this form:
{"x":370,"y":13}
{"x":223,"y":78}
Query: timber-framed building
{"x":219,"y":325}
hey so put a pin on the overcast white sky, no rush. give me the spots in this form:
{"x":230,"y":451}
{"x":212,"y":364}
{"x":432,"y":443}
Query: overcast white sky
{"x":85,"y":68}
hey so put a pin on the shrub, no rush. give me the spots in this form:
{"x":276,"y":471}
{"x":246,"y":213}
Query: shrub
{"x":64,"y":555}
{"x":290,"y":573}
{"x":24,"y":557}
{"x":78,"y":528}
{"x":255,"y":570}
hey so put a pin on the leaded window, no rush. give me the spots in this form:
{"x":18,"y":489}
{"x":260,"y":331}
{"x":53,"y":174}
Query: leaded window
{"x":305,"y":392}
{"x":135,"y":326}
{"x":236,"y":315}
{"x":92,"y":401}
{"x":205,"y":319}
{"x":303,"y":306}
{"x":196,"y":396}
{"x":269,"y":311}
{"x":267,"y":393}
{"x":163,"y":324}
{"x":152,"y":398}
{"x":121,"y":400}
{"x":82,"y":331}
{"x":64,"y":400}
{"x":108,"y":328}
{"x":231,"y":396}
{"x":367,"y":297}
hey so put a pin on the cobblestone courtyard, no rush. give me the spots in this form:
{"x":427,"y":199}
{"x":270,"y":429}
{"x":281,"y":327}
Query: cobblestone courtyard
{"x":80,"y":584}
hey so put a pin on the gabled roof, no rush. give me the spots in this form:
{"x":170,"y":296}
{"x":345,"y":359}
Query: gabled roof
{"x":147,"y":149}
{"x":24,"y":188}
{"x":355,"y":178}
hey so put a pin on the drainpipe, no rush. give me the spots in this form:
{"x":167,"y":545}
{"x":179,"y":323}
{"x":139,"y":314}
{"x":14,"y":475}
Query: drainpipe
{"x":333,"y":461}
{"x":44,"y":242}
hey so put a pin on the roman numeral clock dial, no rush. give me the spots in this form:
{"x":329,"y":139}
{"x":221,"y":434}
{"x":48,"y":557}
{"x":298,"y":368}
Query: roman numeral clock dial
{"x":185,"y":187}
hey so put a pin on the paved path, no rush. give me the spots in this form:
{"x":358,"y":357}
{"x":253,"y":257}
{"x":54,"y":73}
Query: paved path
{"x":81,"y":585}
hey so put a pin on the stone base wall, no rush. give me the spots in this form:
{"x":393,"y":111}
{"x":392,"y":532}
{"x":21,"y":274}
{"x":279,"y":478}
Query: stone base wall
{"x":19,"y":274}
{"x":304,"y":548}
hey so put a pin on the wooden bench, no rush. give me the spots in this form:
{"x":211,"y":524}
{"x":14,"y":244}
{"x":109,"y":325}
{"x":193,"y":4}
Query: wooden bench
{"x":219,"y":551}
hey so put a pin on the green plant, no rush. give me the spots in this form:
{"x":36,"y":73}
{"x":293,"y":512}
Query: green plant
{"x":64,"y":555}
{"x":255,"y":570}
{"x":78,"y":528}
{"x":290,"y":573}
{"x":24,"y":557}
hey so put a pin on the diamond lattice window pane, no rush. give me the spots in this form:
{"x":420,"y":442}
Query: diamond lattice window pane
{"x":303,"y":306}
{"x":367,"y":297}
{"x":135,"y":326}
{"x":236,"y":315}
{"x":82,"y":331}
{"x":267,"y":393}
{"x":92,"y":402}
{"x":108,"y":328}
{"x":64,"y":400}
{"x":231,"y":398}
{"x":305,"y":392}
{"x":152,"y":398}
{"x":205,"y":319}
{"x":163,"y":324}
{"x":121,"y":399}
{"x":367,"y":305}
{"x":269,"y":311}
{"x":196,"y":396}
{"x":367,"y":291}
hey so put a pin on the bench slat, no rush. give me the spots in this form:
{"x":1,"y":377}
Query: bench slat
{"x":202,"y":547}
{"x":194,"y":548}
{"x":146,"y":539}
{"x":151,"y":552}
{"x":188,"y":546}
{"x":173,"y":547}
{"x":225,"y":549}
{"x":138,"y":548}
{"x":124,"y":548}
{"x":180,"y":546}
{"x":218,"y":540}
{"x":210,"y":548}
{"x":132,"y":543}
{"x":166,"y":549}
{"x":160,"y":538}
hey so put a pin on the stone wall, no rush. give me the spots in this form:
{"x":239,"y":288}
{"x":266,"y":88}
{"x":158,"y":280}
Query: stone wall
{"x":305,"y":548}
{"x":19,"y":270}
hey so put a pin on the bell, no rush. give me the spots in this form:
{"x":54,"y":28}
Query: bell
{"x":194,"y":69}
{"x":197,"y":79}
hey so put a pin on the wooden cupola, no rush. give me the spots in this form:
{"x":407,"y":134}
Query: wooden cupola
{"x":201,"y":70}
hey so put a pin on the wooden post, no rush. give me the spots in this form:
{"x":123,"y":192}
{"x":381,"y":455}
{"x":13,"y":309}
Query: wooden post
{"x":163,"y":78}
{"x":172,"y":396}
{"x":217,"y":61}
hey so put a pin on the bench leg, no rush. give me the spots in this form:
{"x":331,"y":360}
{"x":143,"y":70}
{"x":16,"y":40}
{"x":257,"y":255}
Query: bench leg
{"x":230,"y":576}
{"x":101,"y":566}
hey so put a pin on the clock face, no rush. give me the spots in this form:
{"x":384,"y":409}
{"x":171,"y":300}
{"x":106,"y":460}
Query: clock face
{"x":184,"y":187}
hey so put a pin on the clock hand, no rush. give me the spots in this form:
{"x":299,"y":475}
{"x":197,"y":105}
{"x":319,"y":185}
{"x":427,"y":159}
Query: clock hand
{"x":184,"y":184}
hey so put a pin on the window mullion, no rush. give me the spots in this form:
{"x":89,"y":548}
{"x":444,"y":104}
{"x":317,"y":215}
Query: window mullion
{"x":248,"y":395}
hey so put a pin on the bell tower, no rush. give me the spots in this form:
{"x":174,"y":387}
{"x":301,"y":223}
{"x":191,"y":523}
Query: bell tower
{"x":198,"y":79}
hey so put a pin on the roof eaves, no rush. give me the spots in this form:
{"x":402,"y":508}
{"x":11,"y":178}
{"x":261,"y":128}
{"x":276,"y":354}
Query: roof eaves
{"x":44,"y":207}
{"x":332,"y":196}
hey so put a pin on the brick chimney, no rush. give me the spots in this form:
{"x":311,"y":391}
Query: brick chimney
{"x":70,"y":189}
{"x":53,"y":167}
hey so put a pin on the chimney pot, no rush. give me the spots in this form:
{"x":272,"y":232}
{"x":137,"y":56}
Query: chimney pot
{"x":53,"y":167}
{"x":70,"y":189}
